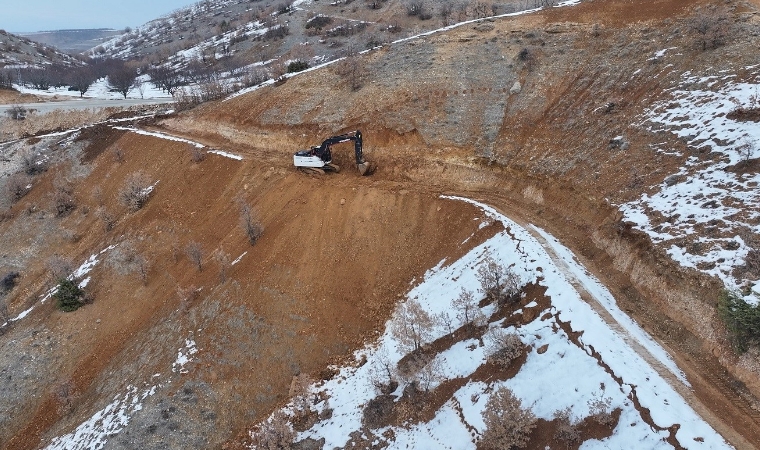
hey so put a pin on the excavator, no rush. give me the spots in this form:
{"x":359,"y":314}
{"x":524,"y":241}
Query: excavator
{"x":318,"y":159}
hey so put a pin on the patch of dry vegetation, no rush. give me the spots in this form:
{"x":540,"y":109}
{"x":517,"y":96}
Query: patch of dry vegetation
{"x":56,"y":120}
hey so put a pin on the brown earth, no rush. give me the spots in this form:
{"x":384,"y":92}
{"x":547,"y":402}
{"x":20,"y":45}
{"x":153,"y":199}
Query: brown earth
{"x":339,"y":250}
{"x":9,"y":97}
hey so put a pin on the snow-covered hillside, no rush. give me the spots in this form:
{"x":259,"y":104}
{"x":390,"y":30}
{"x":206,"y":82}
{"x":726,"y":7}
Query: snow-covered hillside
{"x":574,"y":359}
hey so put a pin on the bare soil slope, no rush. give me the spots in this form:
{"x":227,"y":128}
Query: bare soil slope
{"x":441,"y":114}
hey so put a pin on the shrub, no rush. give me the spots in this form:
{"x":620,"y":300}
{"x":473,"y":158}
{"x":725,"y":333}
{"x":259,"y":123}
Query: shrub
{"x":566,"y":431}
{"x":274,"y":433}
{"x":16,"y":112}
{"x":136,"y":191}
{"x":125,"y":259}
{"x":63,"y":197}
{"x":59,"y":267}
{"x":742,"y":320}
{"x":250,"y":223}
{"x":508,"y":425}
{"x":8,"y":281}
{"x":70,"y":296}
{"x":599,"y":407}
{"x":194,"y":252}
{"x":318,"y":22}
{"x":17,"y":186}
{"x":297,"y":66}
{"x":504,"y":347}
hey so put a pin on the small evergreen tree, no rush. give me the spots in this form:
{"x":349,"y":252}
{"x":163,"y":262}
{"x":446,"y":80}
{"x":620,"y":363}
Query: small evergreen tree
{"x":70,"y":296}
{"x":742,"y":320}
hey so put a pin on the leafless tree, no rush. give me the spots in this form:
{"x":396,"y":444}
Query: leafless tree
{"x":136,"y":190}
{"x":118,"y":154}
{"x":504,"y":347}
{"x":17,"y":186}
{"x":122,"y":78}
{"x":413,"y":326}
{"x":223,"y":260}
{"x":711,"y":27}
{"x":63,"y":197}
{"x":81,"y":79}
{"x":467,"y":309}
{"x":194,"y":252}
{"x":498,"y":282}
{"x":746,"y":149}
{"x":274,"y":433}
{"x":249,"y":222}
{"x":126,"y":259}
{"x":508,"y":425}
{"x":383,"y":372}
{"x":352,"y":69}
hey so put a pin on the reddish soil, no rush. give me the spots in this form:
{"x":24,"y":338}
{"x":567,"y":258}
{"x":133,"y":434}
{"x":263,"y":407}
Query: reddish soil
{"x":338,"y":251}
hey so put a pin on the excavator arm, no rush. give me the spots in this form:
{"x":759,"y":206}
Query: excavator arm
{"x":321,"y":157}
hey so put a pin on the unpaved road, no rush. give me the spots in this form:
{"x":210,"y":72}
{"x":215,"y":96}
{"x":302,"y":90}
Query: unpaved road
{"x":86,"y":103}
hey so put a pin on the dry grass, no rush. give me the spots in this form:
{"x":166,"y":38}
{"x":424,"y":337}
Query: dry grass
{"x":55,"y":120}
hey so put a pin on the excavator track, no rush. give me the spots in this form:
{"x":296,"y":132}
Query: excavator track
{"x":332,"y":168}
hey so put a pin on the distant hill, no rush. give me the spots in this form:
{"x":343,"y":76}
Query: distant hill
{"x":73,"y":41}
{"x":17,"y":51}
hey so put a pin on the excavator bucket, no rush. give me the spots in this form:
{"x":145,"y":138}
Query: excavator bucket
{"x":365,"y":168}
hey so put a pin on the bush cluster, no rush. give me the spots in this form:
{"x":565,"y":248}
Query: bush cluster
{"x":742,"y":320}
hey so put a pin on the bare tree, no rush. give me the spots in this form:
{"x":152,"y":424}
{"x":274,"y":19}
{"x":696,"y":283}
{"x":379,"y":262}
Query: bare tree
{"x":63,"y":197}
{"x":508,"y":425}
{"x":223,"y":259}
{"x":746,"y":150}
{"x":17,"y":186}
{"x":352,"y":69}
{"x":274,"y":433}
{"x":194,"y":252}
{"x":383,"y":372}
{"x":250,"y":223}
{"x":498,"y":282}
{"x":467,"y":309}
{"x":711,"y":27}
{"x":81,"y":79}
{"x":125,"y":259}
{"x":122,"y":78}
{"x":413,"y":326}
{"x":136,"y":190}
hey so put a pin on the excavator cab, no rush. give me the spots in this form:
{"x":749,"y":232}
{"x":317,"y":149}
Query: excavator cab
{"x":318,"y":159}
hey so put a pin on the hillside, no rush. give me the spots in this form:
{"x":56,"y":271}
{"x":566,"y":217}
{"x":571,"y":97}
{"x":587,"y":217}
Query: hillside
{"x":20,"y":52}
{"x":73,"y":41}
{"x":596,"y":149}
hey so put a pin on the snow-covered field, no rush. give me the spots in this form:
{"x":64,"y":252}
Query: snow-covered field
{"x":100,"y":90}
{"x":705,"y":196}
{"x":558,"y":373}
